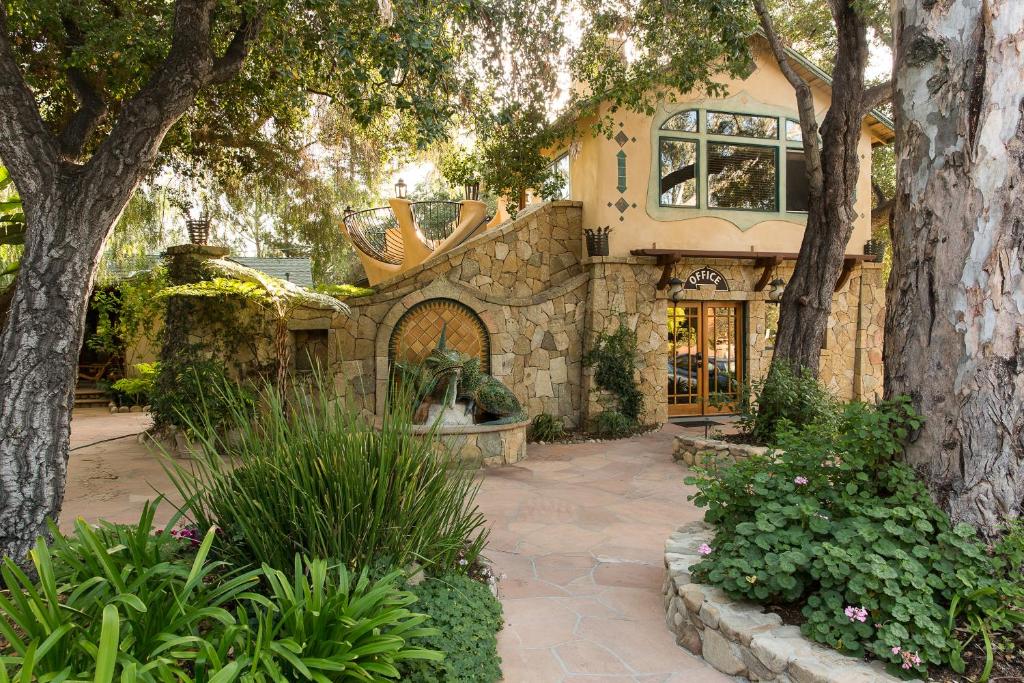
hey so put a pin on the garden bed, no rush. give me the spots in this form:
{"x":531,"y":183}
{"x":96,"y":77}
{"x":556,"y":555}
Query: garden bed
{"x":740,"y":638}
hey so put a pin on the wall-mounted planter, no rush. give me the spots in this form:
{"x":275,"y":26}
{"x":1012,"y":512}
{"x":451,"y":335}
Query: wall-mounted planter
{"x":597,"y":241}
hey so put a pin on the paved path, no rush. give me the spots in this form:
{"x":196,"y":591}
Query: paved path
{"x":579,"y":533}
{"x":577,"y":530}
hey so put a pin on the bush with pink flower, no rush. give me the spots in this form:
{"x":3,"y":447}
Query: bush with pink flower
{"x":835,"y":524}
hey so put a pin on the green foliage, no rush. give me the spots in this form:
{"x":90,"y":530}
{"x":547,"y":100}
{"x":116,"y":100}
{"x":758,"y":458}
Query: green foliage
{"x":196,"y":391}
{"x":614,"y":359}
{"x":12,"y":228}
{"x":546,"y":427}
{"x":121,"y":603}
{"x":126,"y":312}
{"x":139,"y":389}
{"x":343,"y":291}
{"x":837,"y":521}
{"x":786,"y":399}
{"x":611,"y":424}
{"x":511,"y":158}
{"x":310,"y":474}
{"x":467,"y":617}
{"x":460,"y":167}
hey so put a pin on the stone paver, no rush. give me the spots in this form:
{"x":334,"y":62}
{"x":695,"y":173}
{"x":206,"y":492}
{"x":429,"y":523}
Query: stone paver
{"x":114,"y":476}
{"x":578,"y":531}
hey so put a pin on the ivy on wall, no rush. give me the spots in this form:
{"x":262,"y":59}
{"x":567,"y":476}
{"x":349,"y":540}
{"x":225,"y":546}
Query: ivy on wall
{"x":614,"y":359}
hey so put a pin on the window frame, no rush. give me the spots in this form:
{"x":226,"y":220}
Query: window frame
{"x":783,"y":194}
{"x":778,"y":176}
{"x":741,"y":218}
{"x":697,"y":171}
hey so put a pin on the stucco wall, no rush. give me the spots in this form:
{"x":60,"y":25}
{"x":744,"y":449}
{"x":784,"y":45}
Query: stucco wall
{"x":594,"y":179}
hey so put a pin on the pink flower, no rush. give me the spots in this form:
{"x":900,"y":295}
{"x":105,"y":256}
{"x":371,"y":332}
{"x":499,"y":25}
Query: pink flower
{"x":856,"y":613}
{"x":704,"y":549}
{"x":896,"y":650}
{"x":800,"y":481}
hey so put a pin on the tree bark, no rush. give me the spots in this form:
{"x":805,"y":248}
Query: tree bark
{"x":954,"y":329}
{"x":833,"y":168}
{"x":70,"y":209}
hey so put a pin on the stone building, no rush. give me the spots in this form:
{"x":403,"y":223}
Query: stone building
{"x":706,"y":202}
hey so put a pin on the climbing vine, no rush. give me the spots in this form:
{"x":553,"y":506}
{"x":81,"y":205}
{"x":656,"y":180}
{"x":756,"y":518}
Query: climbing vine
{"x":614,"y":359}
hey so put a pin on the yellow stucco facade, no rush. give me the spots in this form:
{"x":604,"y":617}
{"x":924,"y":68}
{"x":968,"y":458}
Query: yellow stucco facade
{"x":638,"y":221}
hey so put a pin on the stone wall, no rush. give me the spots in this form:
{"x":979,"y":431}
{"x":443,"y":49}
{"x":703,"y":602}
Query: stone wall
{"x":524,"y":279}
{"x":692,"y":450}
{"x":741,"y":639}
{"x":483,"y":445}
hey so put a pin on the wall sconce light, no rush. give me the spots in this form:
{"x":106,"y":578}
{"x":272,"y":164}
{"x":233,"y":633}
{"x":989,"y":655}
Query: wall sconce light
{"x":675,"y":289}
{"x":776,"y":288}
{"x":400,"y":188}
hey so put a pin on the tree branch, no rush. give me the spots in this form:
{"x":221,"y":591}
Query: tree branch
{"x":227,"y":66}
{"x":804,"y":99}
{"x":26,"y":146}
{"x":91,"y":107}
{"x":877,"y":95}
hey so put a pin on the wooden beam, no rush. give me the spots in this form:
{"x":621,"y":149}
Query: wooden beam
{"x":666,"y":261}
{"x":848,"y":264}
{"x":768,"y":263}
{"x":738,"y":255}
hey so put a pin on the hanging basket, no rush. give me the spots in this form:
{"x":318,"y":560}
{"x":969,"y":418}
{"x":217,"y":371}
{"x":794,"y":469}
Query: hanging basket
{"x":472,"y":191}
{"x":874,"y":248}
{"x":597,"y":241}
{"x":199,"y":229}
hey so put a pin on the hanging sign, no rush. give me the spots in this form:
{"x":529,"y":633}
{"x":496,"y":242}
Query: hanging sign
{"x":706,"y":276}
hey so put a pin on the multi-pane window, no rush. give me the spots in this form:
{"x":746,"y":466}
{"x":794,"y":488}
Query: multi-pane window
{"x":561,"y":167}
{"x":731,"y":161}
{"x":743,"y":125}
{"x":678,"y":163}
{"x":742,"y":177}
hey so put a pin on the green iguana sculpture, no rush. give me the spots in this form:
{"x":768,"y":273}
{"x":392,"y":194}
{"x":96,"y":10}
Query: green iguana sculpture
{"x":457,"y":376}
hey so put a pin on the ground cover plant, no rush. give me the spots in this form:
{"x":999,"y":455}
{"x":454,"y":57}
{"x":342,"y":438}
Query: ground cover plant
{"x":466,"y":616}
{"x":123,"y":603}
{"x":307,"y":473}
{"x":836,"y":525}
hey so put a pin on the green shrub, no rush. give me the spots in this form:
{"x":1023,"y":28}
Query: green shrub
{"x":836,"y":522}
{"x":139,"y":389}
{"x":119,"y":603}
{"x":614,"y":359}
{"x":546,"y":427}
{"x":786,"y":398}
{"x":611,"y":424}
{"x":467,"y":618}
{"x":196,"y":392}
{"x":309,"y":474}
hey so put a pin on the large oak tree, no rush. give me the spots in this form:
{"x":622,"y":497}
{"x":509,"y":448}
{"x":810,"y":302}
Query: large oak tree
{"x":954,"y":333}
{"x":94,"y":95}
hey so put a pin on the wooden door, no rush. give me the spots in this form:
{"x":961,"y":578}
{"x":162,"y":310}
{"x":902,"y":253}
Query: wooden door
{"x":705,"y":364}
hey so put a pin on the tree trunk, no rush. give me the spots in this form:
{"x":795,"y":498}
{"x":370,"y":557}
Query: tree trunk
{"x":954,"y":329}
{"x":807,"y":299}
{"x":39,"y":347}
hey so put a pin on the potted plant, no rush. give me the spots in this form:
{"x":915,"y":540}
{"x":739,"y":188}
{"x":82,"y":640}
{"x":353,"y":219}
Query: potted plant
{"x":597,"y":240}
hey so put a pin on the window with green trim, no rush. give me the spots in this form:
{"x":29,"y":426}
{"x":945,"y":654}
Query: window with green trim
{"x":730,"y":161}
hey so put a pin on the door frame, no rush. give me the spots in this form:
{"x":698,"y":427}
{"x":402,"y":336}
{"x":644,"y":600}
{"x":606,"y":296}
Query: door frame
{"x":702,"y":405}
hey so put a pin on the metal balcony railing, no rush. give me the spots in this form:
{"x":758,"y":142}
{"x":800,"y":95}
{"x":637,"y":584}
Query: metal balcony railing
{"x":436,"y":220}
{"x":375,"y":232}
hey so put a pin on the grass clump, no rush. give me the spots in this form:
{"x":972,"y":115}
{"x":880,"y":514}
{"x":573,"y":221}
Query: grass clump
{"x":546,"y":427}
{"x":309,"y":474}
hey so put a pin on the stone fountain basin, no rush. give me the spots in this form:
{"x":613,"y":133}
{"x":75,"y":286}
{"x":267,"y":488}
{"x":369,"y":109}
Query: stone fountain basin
{"x":490,"y":445}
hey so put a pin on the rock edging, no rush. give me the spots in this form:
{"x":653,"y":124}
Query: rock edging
{"x":740,"y":638}
{"x":693,"y":450}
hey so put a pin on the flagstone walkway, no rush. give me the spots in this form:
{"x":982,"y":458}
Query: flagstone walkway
{"x":578,"y":532}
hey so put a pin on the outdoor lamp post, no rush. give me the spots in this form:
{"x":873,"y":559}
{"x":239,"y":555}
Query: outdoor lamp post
{"x":776,"y":288}
{"x":400,"y":188}
{"x":675,"y":289}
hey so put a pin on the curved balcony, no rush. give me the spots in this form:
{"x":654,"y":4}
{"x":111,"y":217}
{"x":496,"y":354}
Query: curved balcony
{"x":392,"y":239}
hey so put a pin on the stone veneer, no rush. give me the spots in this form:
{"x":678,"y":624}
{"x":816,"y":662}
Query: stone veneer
{"x":741,"y":639}
{"x":692,"y":450}
{"x":487,"y":445}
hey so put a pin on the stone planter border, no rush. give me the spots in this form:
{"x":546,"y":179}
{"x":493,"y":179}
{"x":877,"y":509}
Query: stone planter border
{"x":740,"y":638}
{"x":487,"y":445}
{"x":692,"y":450}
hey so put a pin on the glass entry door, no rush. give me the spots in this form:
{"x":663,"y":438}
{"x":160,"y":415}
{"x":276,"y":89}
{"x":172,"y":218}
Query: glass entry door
{"x":705,"y":369}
